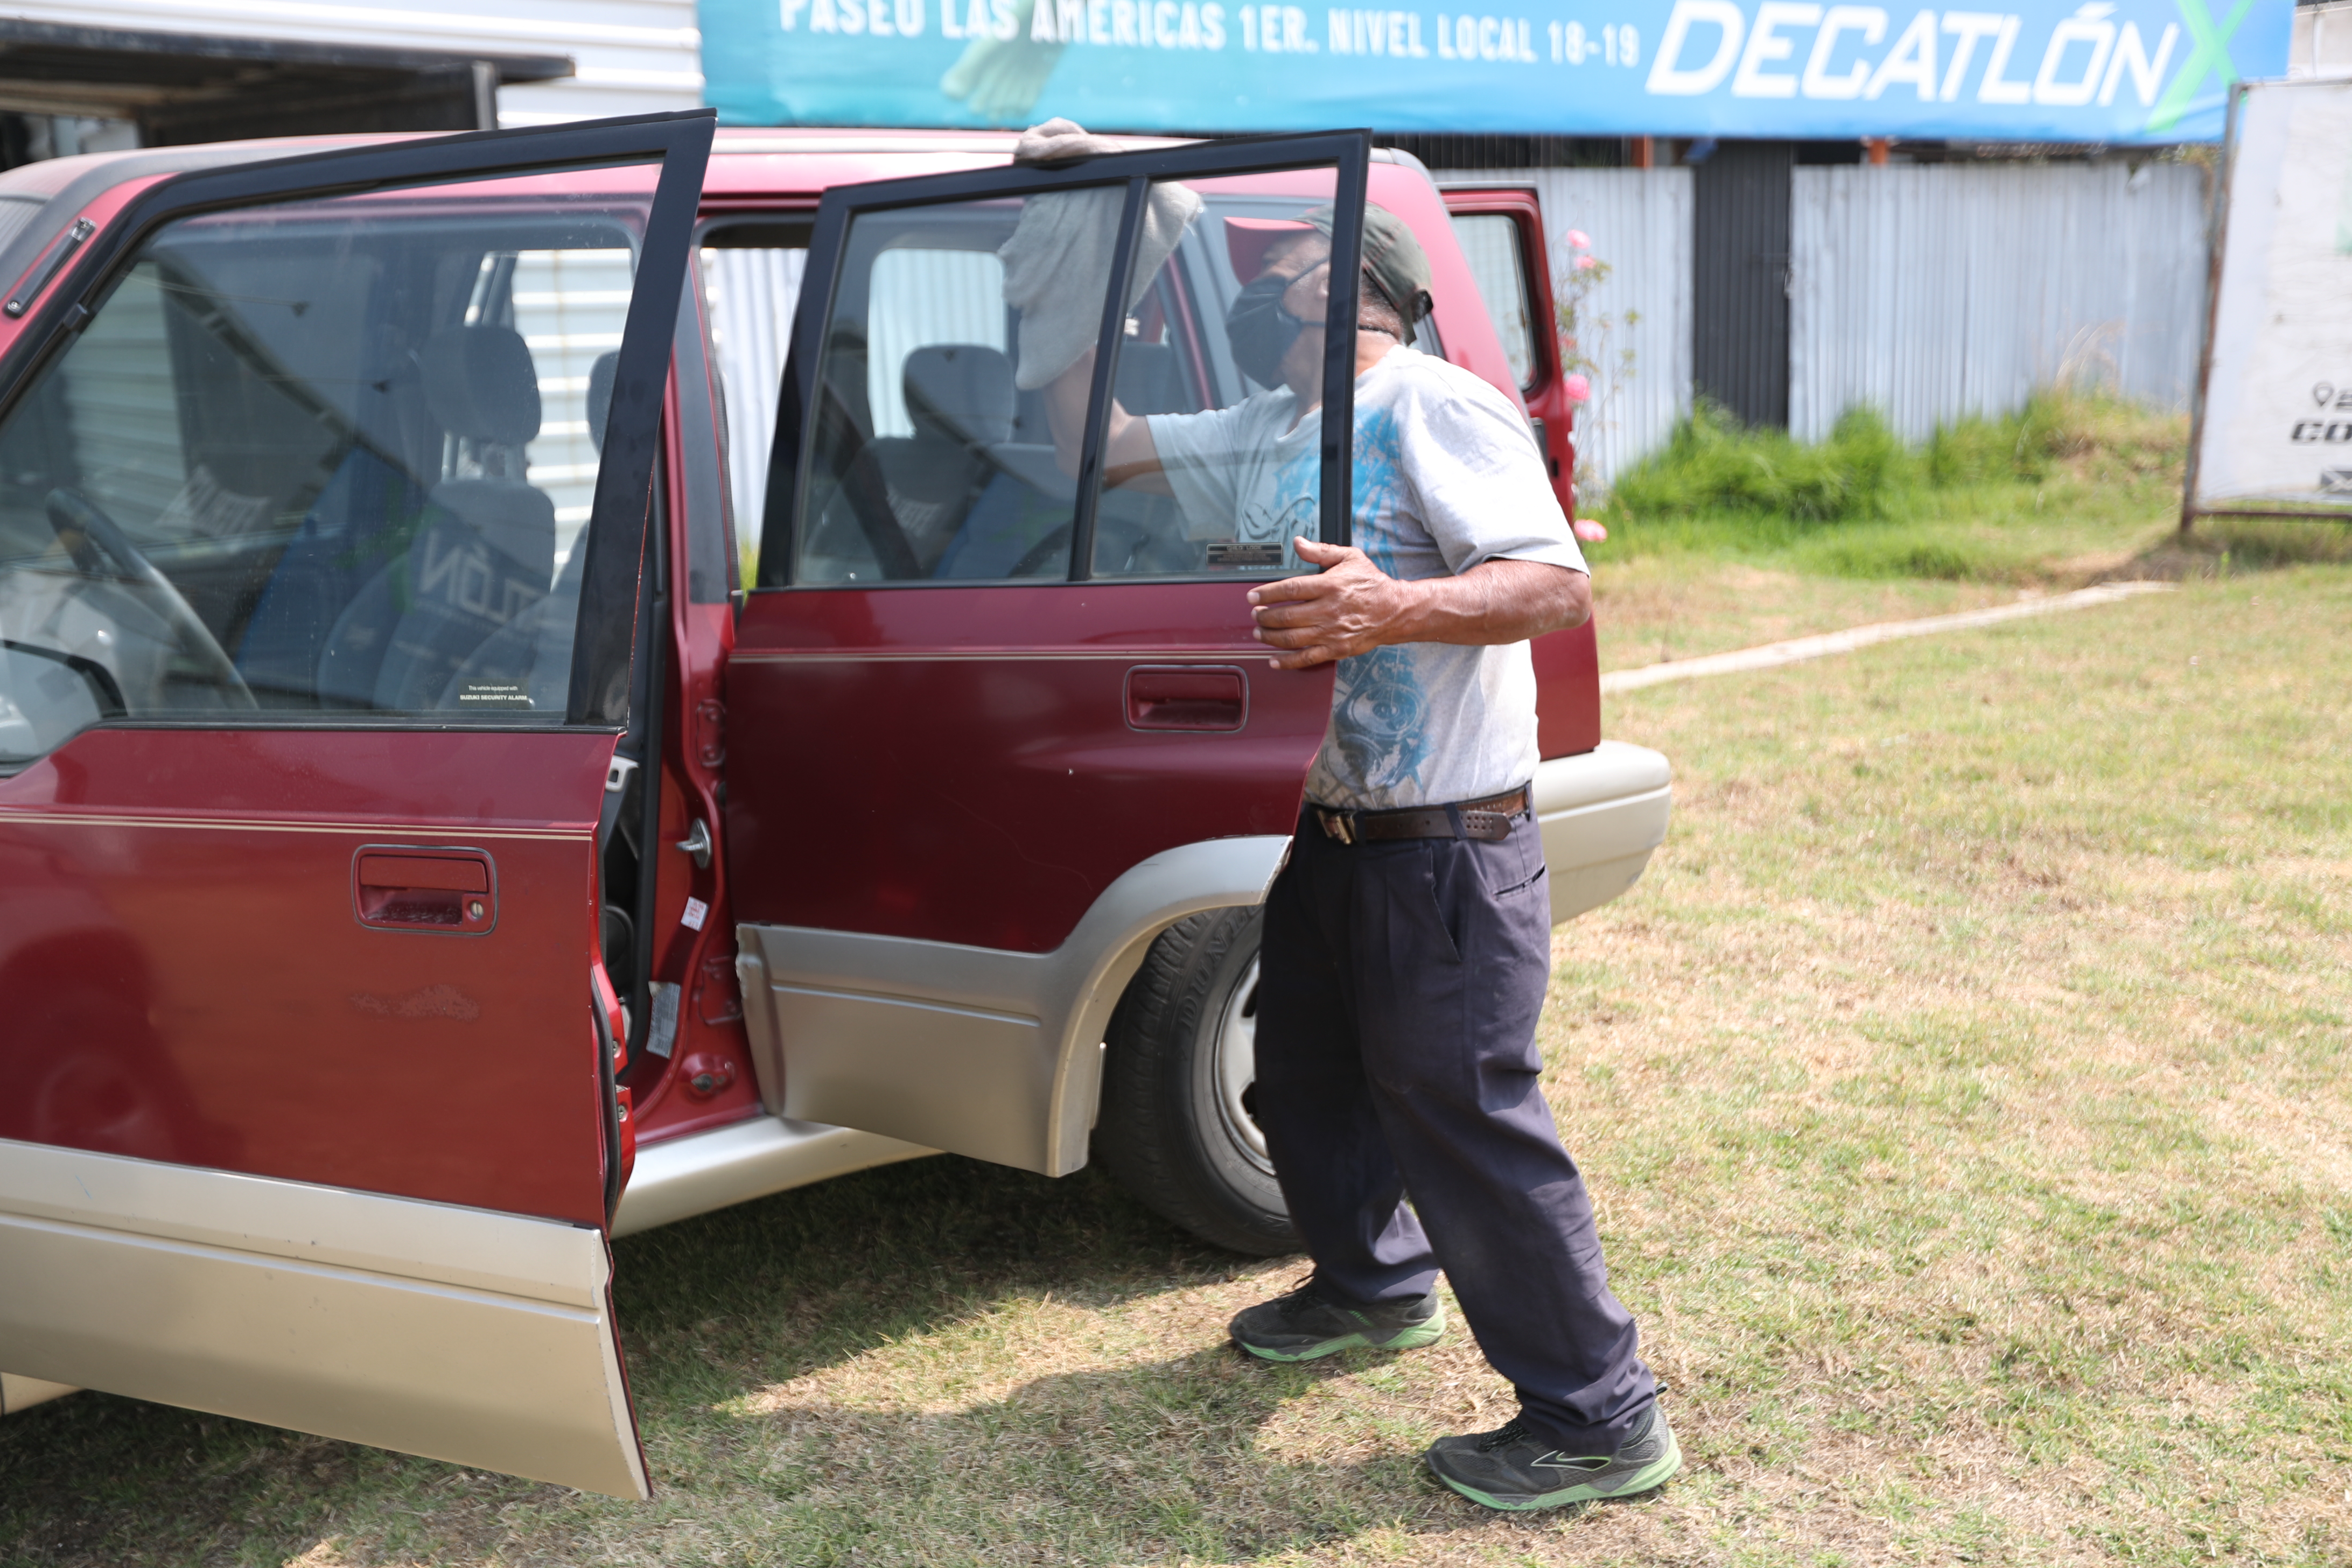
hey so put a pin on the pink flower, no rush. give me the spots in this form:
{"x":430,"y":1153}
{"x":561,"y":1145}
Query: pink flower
{"x":1580,"y":388}
{"x":1580,"y":239}
{"x":1586,"y":264}
{"x":1589,"y":531}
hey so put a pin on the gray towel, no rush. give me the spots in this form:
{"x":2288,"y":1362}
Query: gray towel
{"x":1058,"y":263}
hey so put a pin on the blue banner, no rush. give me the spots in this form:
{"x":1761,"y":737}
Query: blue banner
{"x":2105,"y":71}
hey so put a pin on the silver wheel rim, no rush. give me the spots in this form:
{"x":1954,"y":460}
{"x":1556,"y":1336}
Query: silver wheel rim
{"x":1237,"y":1068}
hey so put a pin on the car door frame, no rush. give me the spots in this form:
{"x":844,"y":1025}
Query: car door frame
{"x":470,"y":1334}
{"x":1351,"y":153}
{"x":992,"y":1052}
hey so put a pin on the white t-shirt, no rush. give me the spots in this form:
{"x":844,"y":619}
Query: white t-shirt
{"x":1446,"y":476}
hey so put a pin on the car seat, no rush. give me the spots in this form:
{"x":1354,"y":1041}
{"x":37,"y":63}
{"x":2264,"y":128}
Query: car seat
{"x":533,"y":651}
{"x":959,"y":401}
{"x":484,"y":554}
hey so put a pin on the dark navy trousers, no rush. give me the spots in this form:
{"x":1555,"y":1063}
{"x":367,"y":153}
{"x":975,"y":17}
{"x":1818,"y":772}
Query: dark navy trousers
{"x":1396,"y":1056}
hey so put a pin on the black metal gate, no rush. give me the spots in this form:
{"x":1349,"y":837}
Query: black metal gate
{"x":1739,"y":280}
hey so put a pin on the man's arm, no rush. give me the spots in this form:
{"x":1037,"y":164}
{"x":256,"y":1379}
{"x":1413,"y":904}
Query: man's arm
{"x":1354,"y":606}
{"x":1130,"y":457}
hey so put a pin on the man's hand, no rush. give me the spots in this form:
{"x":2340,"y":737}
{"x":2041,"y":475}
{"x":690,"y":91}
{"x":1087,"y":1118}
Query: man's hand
{"x":1352,"y":607}
{"x":1339,"y":613}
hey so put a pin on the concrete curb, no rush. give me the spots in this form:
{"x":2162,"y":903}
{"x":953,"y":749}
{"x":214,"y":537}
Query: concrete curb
{"x":1797,"y":650}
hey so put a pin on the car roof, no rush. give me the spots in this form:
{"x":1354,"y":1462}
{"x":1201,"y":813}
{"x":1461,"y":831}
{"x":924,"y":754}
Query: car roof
{"x":38,"y":200}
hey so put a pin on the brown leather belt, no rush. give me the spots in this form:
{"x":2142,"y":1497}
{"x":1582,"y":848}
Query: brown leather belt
{"x":1488,"y":820}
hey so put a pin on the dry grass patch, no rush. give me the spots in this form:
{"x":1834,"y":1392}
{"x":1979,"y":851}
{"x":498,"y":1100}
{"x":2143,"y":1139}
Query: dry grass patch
{"x":1965,"y":1097}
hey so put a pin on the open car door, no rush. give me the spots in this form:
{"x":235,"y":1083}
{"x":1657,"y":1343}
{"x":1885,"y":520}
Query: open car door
{"x":325,"y":496}
{"x":997,"y":717}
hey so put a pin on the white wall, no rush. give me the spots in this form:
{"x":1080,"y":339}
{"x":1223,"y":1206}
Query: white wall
{"x":1938,"y":292}
{"x":1639,"y":221}
{"x":633,"y":56}
{"x":1930,"y":292}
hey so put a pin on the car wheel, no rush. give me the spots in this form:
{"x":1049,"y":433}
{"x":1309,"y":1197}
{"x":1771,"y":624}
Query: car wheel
{"x":1177,"y":1126}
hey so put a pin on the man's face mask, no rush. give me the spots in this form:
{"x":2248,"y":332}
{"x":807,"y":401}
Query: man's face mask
{"x":1260,"y":330}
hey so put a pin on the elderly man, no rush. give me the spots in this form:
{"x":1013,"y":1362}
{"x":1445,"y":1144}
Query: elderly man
{"x":1408,"y":938}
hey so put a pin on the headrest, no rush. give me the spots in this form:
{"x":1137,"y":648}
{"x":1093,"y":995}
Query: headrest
{"x":600,"y":375}
{"x":961,"y":390}
{"x":480,"y":385}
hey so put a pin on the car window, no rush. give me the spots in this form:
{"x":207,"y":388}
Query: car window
{"x":1239,"y":452}
{"x":955,"y":374}
{"x":751,"y":274}
{"x":1492,"y":244}
{"x":319,"y":459}
{"x":929,"y":459}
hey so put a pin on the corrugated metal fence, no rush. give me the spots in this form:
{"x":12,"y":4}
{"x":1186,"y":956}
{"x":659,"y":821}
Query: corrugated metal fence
{"x":1933,"y":293}
{"x":1928,"y":292}
{"x":1639,"y":224}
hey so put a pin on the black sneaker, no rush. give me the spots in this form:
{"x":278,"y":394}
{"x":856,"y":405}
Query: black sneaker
{"x":1306,"y":1324}
{"x":1514,"y":1469}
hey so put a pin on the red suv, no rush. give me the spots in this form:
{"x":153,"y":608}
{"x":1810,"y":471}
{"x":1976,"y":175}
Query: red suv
{"x":555,"y":680}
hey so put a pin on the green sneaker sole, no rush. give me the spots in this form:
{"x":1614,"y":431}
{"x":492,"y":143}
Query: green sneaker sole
{"x":1411,"y":1338}
{"x":1657,"y":1473}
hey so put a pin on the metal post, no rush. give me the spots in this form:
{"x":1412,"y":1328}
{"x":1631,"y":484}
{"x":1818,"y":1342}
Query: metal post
{"x":486,"y":96}
{"x":2216,"y":218}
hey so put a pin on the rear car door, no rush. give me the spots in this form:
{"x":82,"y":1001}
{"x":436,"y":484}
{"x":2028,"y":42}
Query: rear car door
{"x":1502,"y":234}
{"x":322,"y":514}
{"x":995,"y":720}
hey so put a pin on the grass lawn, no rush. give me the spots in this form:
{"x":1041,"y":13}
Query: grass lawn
{"x":1965,"y":1095}
{"x":2076,"y":490}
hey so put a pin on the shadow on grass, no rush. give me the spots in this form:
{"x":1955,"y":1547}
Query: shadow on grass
{"x":1107,"y":1463}
{"x":2226,"y":546}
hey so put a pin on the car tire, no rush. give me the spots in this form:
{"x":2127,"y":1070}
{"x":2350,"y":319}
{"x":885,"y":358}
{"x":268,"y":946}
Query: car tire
{"x":1175,"y":1128}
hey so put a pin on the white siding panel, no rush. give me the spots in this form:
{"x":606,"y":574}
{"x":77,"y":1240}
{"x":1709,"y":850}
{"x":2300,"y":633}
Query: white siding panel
{"x":1933,"y":293}
{"x":752,"y":295}
{"x":633,"y":56}
{"x":1639,"y":224}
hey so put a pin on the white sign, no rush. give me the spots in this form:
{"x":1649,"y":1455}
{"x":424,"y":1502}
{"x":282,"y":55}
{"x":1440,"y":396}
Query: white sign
{"x":2277,"y":428}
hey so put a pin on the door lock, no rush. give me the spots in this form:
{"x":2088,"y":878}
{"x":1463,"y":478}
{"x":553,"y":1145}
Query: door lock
{"x":697,"y":843}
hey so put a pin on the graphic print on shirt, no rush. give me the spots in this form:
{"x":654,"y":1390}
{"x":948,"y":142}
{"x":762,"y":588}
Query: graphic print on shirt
{"x":1378,"y":706}
{"x":1287,"y":508}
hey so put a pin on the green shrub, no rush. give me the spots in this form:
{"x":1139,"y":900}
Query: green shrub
{"x":1712,"y":463}
{"x":2055,"y":426}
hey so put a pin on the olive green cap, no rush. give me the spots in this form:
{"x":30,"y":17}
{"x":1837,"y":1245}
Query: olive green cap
{"x":1393,"y":258}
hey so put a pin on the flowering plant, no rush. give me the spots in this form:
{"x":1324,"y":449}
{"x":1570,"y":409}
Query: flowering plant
{"x":1588,"y":358}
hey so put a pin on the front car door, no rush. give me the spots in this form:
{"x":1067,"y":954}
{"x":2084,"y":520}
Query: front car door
{"x":323,"y":496}
{"x":995,"y":719}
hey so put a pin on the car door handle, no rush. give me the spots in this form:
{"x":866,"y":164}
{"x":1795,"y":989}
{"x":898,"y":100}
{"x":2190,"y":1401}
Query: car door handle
{"x":1187,"y":697}
{"x":395,"y":888}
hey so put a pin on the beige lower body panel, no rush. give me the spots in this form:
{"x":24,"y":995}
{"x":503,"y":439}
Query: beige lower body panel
{"x":1602,"y":813}
{"x":24,"y":1393}
{"x":999,"y":1055}
{"x":991,"y":1054}
{"x":677,"y":1178}
{"x":479,"y":1338}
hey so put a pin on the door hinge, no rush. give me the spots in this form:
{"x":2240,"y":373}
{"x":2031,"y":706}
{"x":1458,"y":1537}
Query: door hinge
{"x":709,"y":732}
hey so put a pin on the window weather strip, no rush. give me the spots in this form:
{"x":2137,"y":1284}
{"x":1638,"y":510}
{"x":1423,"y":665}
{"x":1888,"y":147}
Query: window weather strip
{"x":1099,"y":396}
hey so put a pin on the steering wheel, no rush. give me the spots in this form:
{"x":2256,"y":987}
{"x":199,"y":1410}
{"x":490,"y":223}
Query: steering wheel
{"x":94,"y":539}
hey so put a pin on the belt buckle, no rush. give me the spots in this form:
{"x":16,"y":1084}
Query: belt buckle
{"x":1335,"y":824}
